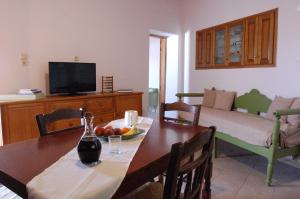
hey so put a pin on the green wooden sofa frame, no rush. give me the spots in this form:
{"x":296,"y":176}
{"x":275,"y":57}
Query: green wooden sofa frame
{"x":256,"y":103}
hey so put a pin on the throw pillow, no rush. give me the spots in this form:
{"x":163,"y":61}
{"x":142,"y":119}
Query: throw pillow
{"x":293,"y":140}
{"x":294,"y":119}
{"x":209,"y":98}
{"x":288,"y":129}
{"x":224,"y":100}
{"x":279,"y":103}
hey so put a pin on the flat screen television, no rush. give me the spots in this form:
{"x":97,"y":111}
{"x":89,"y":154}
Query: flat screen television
{"x":72,"y":77}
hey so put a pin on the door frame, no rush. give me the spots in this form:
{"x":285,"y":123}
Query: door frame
{"x":162,"y":67}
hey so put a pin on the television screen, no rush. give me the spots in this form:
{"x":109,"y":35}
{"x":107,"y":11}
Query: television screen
{"x":71,"y":77}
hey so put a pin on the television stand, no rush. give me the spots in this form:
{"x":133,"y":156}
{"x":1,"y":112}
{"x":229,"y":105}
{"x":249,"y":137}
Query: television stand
{"x":19,"y":123}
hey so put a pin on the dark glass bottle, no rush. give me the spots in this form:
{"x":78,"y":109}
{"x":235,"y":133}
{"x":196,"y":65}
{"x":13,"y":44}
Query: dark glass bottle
{"x":89,"y":146}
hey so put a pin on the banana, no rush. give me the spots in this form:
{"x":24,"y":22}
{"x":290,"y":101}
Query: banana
{"x":132,"y":131}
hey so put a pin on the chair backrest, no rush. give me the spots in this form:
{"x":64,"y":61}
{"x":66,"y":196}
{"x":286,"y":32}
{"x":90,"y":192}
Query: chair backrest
{"x":180,"y":106}
{"x":186,"y":168}
{"x":61,"y":114}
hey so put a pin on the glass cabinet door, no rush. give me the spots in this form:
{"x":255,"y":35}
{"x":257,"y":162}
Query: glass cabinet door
{"x":236,"y":43}
{"x":220,"y":46}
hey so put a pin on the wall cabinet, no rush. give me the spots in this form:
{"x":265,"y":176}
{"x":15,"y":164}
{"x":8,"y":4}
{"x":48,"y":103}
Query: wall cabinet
{"x":200,"y":49}
{"x":204,"y":48}
{"x":220,"y":45}
{"x":266,"y":33}
{"x":208,"y":47}
{"x":251,"y":35}
{"x":19,"y":123}
{"x":236,"y":43}
{"x":247,"y":42}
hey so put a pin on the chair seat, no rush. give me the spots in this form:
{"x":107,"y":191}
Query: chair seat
{"x":152,"y":190}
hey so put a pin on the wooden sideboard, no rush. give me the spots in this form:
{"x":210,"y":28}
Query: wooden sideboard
{"x":19,"y":123}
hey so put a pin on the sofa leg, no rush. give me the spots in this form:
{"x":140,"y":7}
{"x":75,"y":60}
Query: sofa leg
{"x":215,"y":148}
{"x":270,"y":169}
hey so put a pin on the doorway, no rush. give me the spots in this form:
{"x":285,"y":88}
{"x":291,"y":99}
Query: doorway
{"x":157,"y":72}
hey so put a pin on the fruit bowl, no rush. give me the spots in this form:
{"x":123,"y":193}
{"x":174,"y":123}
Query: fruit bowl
{"x":126,"y":133}
{"x":138,"y":132}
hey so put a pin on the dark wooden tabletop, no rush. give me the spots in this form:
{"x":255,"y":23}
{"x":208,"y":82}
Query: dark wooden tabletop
{"x":22,"y":161}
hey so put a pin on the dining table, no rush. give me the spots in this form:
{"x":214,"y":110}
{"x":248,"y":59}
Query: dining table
{"x":21,"y":162}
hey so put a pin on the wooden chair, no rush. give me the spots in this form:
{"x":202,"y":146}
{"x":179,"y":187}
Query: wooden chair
{"x":61,"y":114}
{"x":192,"y":173}
{"x":180,"y":106}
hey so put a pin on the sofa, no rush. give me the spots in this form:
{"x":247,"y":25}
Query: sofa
{"x":253,"y":122}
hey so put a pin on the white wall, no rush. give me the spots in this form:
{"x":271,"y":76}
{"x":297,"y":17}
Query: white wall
{"x":282,"y":80}
{"x":13,"y":41}
{"x":154,"y":62}
{"x":112,"y":33}
{"x":172,"y":75}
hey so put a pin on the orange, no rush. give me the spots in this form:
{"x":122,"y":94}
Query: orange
{"x":124,"y":130}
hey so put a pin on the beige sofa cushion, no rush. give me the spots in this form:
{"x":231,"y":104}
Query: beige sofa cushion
{"x":279,"y":103}
{"x":288,"y":129}
{"x":224,"y":100}
{"x":292,"y":140}
{"x":248,"y":127}
{"x":209,"y":98}
{"x":251,"y":128}
{"x":294,"y":119}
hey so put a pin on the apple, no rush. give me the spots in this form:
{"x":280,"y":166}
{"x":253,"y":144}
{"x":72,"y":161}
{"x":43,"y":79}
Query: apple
{"x":108,"y":132}
{"x":99,"y":130}
{"x":117,"y":131}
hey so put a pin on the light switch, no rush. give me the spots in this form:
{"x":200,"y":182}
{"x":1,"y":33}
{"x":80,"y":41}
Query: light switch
{"x":24,"y":59}
{"x":76,"y":58}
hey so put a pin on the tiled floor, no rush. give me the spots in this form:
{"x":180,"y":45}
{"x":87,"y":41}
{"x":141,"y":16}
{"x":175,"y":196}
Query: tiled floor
{"x":5,"y":193}
{"x":243,"y":177}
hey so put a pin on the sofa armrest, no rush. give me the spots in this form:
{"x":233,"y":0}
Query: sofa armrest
{"x":276,"y":127}
{"x":287,"y":112}
{"x":181,"y":95}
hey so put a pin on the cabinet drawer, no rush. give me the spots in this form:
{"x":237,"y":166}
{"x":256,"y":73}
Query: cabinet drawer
{"x":101,"y":105}
{"x":71,"y":104}
{"x":68,"y":123}
{"x":63,"y":124}
{"x":101,"y":118}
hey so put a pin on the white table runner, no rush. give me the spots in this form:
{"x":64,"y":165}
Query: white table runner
{"x":68,"y":178}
